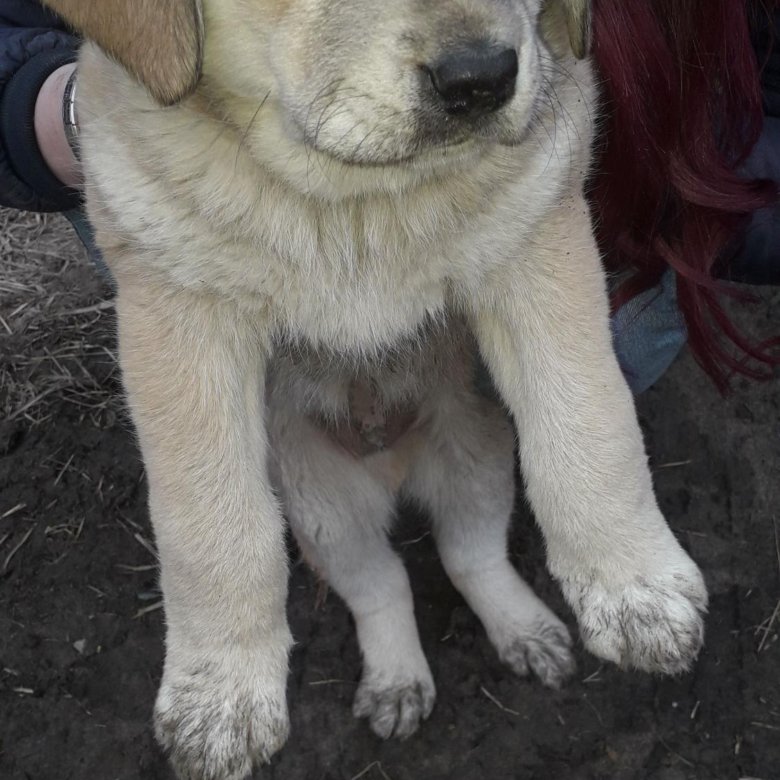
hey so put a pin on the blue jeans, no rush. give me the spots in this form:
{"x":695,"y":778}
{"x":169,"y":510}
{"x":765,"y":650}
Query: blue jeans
{"x":83,"y":229}
{"x":648,"y":333}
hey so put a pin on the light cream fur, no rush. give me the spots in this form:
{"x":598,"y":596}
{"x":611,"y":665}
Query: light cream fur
{"x":304,"y":219}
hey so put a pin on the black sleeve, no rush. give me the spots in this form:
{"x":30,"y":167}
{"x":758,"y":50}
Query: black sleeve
{"x":33,"y":44}
{"x":758,"y":256}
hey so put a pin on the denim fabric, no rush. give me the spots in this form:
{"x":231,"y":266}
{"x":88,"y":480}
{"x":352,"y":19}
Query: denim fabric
{"x":83,"y":229}
{"x":648,"y":333}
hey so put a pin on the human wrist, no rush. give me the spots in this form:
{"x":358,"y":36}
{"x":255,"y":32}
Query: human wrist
{"x":50,"y":129}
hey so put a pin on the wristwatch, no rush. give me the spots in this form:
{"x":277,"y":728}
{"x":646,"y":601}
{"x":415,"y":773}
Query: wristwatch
{"x":69,"y":117}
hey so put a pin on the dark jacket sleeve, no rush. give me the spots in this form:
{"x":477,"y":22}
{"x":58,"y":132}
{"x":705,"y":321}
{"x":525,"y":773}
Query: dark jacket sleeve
{"x":758,"y":257}
{"x":33,"y":44}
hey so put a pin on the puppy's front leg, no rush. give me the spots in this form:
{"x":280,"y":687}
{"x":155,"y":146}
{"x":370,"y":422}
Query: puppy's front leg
{"x":193,"y":368}
{"x":542,"y":324}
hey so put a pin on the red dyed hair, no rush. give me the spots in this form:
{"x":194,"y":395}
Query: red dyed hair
{"x":682,"y":109}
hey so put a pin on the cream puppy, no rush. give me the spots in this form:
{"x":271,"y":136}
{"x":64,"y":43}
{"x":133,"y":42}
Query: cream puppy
{"x":318,"y":214}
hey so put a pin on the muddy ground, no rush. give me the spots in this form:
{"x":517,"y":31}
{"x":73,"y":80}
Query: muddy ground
{"x":81,"y":632}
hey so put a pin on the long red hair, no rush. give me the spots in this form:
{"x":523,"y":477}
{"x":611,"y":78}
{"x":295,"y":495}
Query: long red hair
{"x":682,"y":108}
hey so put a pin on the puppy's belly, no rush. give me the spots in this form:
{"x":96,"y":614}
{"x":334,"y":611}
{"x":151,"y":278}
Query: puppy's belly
{"x":389,"y":383}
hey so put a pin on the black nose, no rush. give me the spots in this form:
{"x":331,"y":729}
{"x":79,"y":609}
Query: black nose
{"x":475,"y":80}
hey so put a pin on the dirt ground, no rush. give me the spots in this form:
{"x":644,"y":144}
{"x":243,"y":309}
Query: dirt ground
{"x":81,"y":630}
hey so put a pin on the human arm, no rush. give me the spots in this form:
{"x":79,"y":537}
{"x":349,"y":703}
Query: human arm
{"x":35,"y":50}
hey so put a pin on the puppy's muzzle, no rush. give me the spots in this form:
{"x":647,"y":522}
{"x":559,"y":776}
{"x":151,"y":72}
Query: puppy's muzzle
{"x":474,"y":80}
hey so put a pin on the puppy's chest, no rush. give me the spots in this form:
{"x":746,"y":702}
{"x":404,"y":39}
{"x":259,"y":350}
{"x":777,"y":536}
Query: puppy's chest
{"x":349,"y":281}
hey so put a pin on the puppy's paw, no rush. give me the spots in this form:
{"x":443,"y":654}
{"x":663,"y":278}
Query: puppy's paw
{"x":218,"y":718}
{"x":653,"y":622}
{"x":545,"y":651}
{"x":394,"y":708}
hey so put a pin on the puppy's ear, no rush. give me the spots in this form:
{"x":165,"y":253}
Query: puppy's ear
{"x":576,"y":15}
{"x":578,"y":23}
{"x":159,"y":41}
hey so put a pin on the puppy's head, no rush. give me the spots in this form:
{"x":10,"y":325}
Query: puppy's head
{"x":362,"y":82}
{"x":378,"y":82}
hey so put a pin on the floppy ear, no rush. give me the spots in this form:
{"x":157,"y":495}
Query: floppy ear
{"x":578,"y":22}
{"x":159,"y":41}
{"x":576,"y":14}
